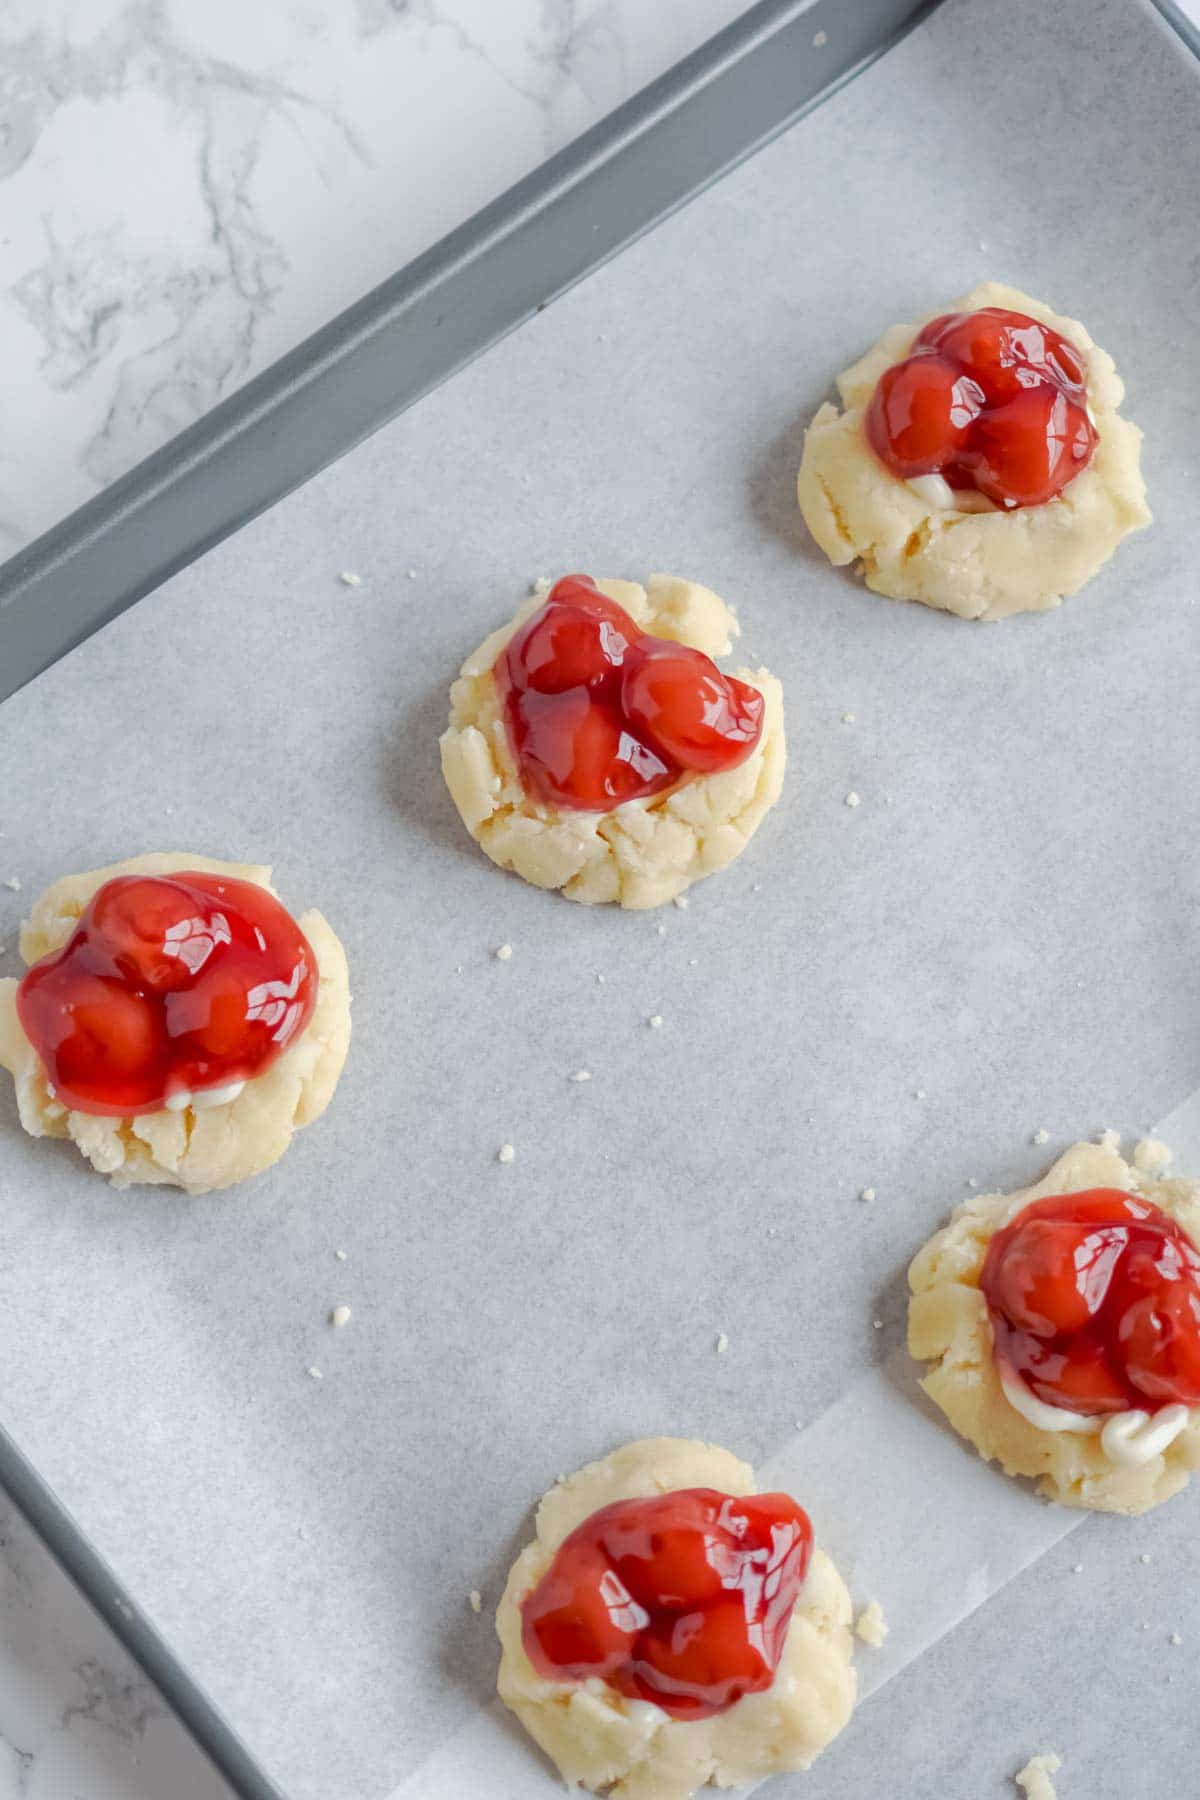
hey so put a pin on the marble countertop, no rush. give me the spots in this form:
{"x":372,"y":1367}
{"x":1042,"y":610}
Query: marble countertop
{"x":189,"y":188}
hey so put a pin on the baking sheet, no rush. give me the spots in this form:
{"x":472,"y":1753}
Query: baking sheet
{"x":1006,"y":924}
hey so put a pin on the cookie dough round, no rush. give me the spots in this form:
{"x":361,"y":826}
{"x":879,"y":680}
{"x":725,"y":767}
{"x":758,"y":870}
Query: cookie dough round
{"x":647,"y":851}
{"x":948,"y":1325}
{"x":980,"y":565}
{"x":631,"y":1749}
{"x":198,"y":1149}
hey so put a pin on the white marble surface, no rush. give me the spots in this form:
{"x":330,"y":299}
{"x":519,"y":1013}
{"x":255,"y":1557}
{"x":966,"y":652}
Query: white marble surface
{"x":187,"y":188}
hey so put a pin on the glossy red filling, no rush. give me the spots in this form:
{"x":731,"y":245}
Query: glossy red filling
{"x":1095,"y":1303}
{"x":599,"y":711}
{"x":167,"y":985}
{"x":990,"y":400}
{"x":683,"y":1599}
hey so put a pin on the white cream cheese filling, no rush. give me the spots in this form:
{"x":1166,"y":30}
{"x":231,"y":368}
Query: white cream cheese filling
{"x":1130,"y":1438}
{"x":200,"y":1099}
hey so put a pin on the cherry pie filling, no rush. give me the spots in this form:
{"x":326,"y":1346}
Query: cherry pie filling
{"x":991,"y":401}
{"x":599,"y":711}
{"x":168,"y":986}
{"x":683,"y":1599}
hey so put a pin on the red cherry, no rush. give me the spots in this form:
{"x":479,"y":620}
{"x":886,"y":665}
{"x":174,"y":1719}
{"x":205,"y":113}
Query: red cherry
{"x":574,"y":752}
{"x":1026,"y":450}
{"x":154,"y":931}
{"x":577,"y":640}
{"x":1005,"y":351}
{"x":699,"y":1663}
{"x":1053,"y":1277}
{"x":104,"y":1033}
{"x":921,"y":413}
{"x":667,"y":1551}
{"x":1083,"y":1379}
{"x":679,"y":700}
{"x":580,"y":1620}
{"x":1160,"y":1337}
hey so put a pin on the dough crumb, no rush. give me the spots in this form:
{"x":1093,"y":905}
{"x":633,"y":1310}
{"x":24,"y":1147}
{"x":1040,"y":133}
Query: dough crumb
{"x":655,"y":1021}
{"x":971,"y":1182}
{"x":848,"y":718}
{"x":877,"y":1324}
{"x":341,"y":1255}
{"x":1144,"y":1557}
{"x":919,"y":1094}
{"x":14,"y":884}
{"x":1109,"y":1139}
{"x":682,"y":902}
{"x":853,"y":799}
{"x":1034,"y":1778}
{"x":506,"y":1154}
{"x":582,"y":1075}
{"x":504,"y":953}
{"x":1078,"y":1569}
{"x":662,"y":931}
{"x":600,"y":980}
{"x":722,"y":1344}
{"x":314,"y":1373}
{"x":820,"y":39}
{"x":867,"y":1194}
{"x":1151,"y":1155}
{"x":412,"y":574}
{"x":1175,"y":1639}
{"x":475,"y":1600}
{"x":349,"y":579}
{"x":1040,"y":1136}
{"x":341,"y":1315}
{"x":870,"y":1625}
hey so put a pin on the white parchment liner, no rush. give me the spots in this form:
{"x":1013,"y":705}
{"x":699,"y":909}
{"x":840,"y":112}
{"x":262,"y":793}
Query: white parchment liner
{"x":941,"y":1508}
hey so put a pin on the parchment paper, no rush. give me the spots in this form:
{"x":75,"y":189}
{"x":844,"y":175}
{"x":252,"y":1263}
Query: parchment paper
{"x":1006,"y":923}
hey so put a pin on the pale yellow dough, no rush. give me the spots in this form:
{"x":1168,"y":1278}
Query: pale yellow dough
{"x":948,"y":1326}
{"x":978,"y":565}
{"x":199,"y":1150}
{"x":644,"y":852}
{"x":629,"y":1748}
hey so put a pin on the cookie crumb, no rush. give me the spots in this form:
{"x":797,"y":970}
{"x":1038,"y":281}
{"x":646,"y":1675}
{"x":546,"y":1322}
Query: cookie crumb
{"x":582,"y":1075}
{"x":681,"y":901}
{"x":722,"y":1344}
{"x":504,"y":954}
{"x":866,"y":1194}
{"x":877,"y":1324}
{"x":919,"y":1094}
{"x":1109,"y":1139}
{"x":848,"y":718}
{"x":1144,"y":1557}
{"x":341,"y":1315}
{"x":971,"y":1182}
{"x":1040,"y":1136}
{"x":1078,"y":1569}
{"x":349,"y":579}
{"x":13,"y":883}
{"x":600,"y":980}
{"x":314,"y":1373}
{"x":655,"y":1021}
{"x":820,"y":39}
{"x":475,"y":1600}
{"x":1151,"y":1155}
{"x":412,"y":574}
{"x":341,"y":1255}
{"x":871,"y":1626}
{"x":1034,"y":1778}
{"x":506,"y":1154}
{"x":1175,"y":1639}
{"x":662,"y":931}
{"x":853,"y":799}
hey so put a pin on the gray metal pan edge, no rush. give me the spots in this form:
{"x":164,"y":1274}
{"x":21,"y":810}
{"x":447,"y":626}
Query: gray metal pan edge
{"x":649,"y":157}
